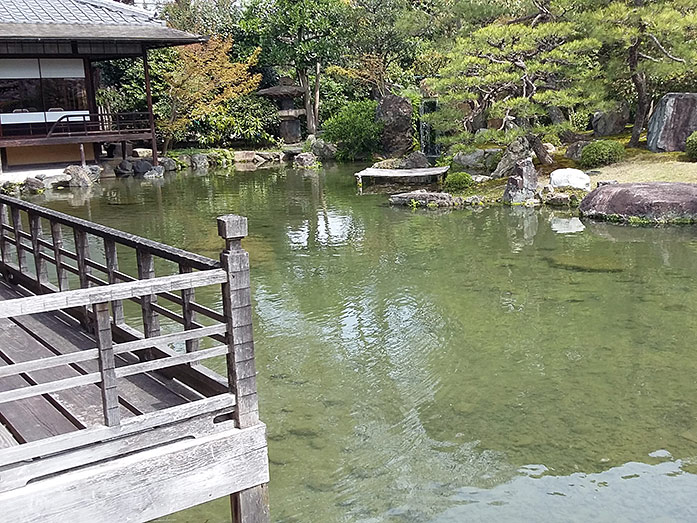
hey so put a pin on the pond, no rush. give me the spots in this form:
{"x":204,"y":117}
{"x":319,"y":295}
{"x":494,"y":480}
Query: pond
{"x":499,"y":364}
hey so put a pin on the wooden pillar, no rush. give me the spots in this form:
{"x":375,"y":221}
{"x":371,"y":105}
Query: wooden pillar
{"x":148,"y":93}
{"x":107,"y":365}
{"x":151,"y":321}
{"x":252,"y":505}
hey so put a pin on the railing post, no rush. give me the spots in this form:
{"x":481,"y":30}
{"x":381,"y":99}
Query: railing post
{"x":151,"y":322}
{"x":251,"y":505}
{"x":61,"y":272}
{"x":17,"y":224}
{"x":107,"y":365}
{"x":3,"y":238}
{"x":39,"y":262}
{"x":189,"y":315}
{"x":112,"y":265}
{"x":82,"y":249}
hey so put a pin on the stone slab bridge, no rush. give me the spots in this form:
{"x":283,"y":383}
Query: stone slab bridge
{"x":107,"y":419}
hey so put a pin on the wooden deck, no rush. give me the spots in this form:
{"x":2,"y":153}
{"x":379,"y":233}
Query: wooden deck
{"x":102,"y":420}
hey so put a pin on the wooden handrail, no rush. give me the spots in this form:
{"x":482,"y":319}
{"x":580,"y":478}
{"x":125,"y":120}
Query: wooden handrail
{"x":173,"y":254}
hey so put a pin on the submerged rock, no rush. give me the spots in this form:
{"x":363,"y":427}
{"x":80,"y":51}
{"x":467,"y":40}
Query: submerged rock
{"x":423,"y":198}
{"x":305,"y":160}
{"x":657,"y":202}
{"x":673,"y":121}
{"x":522,"y":184}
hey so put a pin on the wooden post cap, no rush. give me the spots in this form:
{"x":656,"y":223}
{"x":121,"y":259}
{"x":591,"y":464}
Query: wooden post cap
{"x":232,"y":226}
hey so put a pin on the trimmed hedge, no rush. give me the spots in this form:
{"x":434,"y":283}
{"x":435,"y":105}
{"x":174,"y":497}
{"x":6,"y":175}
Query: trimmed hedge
{"x":691,"y":146}
{"x":601,"y":152}
{"x":458,"y":181}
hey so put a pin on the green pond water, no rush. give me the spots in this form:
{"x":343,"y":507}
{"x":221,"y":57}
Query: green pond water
{"x":476,"y":365}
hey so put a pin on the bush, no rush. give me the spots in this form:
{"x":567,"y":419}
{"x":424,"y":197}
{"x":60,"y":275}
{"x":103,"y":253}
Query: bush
{"x":458,"y":181}
{"x":691,"y":146}
{"x":354,"y":130}
{"x":601,"y":152}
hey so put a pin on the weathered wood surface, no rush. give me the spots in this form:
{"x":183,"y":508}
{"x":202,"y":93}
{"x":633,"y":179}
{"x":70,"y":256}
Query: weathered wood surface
{"x":148,"y":484}
{"x":402,"y":173}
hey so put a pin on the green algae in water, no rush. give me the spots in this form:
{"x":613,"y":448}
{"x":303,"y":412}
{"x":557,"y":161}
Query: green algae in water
{"x":418,"y":367}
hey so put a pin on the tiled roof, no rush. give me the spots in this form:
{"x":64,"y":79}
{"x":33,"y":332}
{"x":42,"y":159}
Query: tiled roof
{"x":74,"y":12}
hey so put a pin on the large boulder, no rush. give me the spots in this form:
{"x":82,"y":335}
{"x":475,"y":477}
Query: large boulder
{"x":480,"y":162}
{"x":199,"y":161}
{"x":574,"y":178}
{"x":140,"y":167}
{"x":518,"y":150}
{"x":244,"y":156}
{"x":653,"y":202}
{"x":397,"y":135}
{"x":416,"y":160}
{"x":323,"y":150}
{"x":574,"y":150}
{"x":305,"y":160}
{"x":79,"y":176}
{"x":673,"y":121}
{"x":522,"y":184}
{"x":156,"y":172}
{"x":610,"y":122}
{"x":124,"y":168}
{"x":168,"y":164}
{"x":423,"y":198}
{"x":57,"y":181}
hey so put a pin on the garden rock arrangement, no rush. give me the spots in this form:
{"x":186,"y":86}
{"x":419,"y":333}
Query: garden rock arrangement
{"x":574,"y":178}
{"x":522,"y":184}
{"x":305,"y":160}
{"x":395,"y":114}
{"x":518,"y":150}
{"x":657,"y":202}
{"x":322,"y":149}
{"x":480,"y":162}
{"x":574,"y":150}
{"x":611,"y":122}
{"x":423,"y":198}
{"x":673,"y":121}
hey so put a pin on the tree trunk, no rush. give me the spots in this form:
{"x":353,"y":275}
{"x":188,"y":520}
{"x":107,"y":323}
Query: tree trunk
{"x":316,"y":96}
{"x":537,"y":146}
{"x":641,"y":88}
{"x":304,"y":80}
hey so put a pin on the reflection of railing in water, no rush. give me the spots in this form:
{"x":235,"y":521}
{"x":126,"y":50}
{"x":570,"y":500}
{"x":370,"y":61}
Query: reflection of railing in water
{"x":214,"y":415}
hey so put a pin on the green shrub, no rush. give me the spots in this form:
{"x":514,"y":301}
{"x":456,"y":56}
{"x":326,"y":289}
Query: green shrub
{"x":579,"y":121}
{"x":354,"y":130}
{"x":458,"y":181}
{"x":601,"y":152}
{"x":691,"y":146}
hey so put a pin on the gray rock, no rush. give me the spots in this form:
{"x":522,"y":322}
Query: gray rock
{"x":573,"y":151}
{"x":95,"y":172}
{"x":574,"y":178}
{"x":34,"y":185}
{"x":57,"y":181}
{"x":185,"y":159}
{"x":423,"y":198}
{"x":474,"y":200}
{"x":610,"y":122}
{"x":607,"y":182}
{"x":673,"y":121}
{"x":478,"y":162}
{"x":274,"y":156}
{"x":397,"y":135}
{"x":416,"y":160}
{"x":140,"y":167}
{"x":323,"y":150}
{"x":199,"y":161}
{"x":305,"y":160}
{"x":141,"y":152}
{"x":125,"y":168}
{"x":522,"y":184}
{"x":79,"y":176}
{"x":156,"y":172}
{"x":41,"y":176}
{"x":259,"y":159}
{"x":559,"y":199}
{"x":244,"y":156}
{"x":168,"y":164}
{"x":478,"y":178}
{"x":518,"y":150}
{"x":653,"y":202}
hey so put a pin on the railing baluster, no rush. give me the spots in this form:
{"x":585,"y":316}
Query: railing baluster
{"x":112,"y":264}
{"x":82,"y":249}
{"x":39,"y":262}
{"x":3,"y":238}
{"x":151,"y":321}
{"x":57,"y":239}
{"x":189,"y":315}
{"x":107,"y":365}
{"x":17,"y":224}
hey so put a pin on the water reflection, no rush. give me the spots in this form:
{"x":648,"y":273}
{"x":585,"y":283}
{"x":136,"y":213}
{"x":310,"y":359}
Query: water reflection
{"x":411,"y":363}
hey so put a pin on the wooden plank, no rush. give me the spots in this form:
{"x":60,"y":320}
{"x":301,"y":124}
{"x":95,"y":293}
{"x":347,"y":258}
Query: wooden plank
{"x":6,"y":440}
{"x":131,"y":240}
{"x":118,"y":291}
{"x":128,"y":427}
{"x":148,"y":484}
{"x":107,"y":365}
{"x":162,"y":363}
{"x":251,"y":505}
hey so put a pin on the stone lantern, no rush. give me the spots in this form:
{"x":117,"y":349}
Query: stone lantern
{"x":285,"y":94}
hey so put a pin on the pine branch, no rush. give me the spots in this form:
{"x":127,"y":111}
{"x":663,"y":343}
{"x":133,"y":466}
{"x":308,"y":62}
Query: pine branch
{"x":664,"y":50}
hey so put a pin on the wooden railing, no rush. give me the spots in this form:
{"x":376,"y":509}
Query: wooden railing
{"x":48,"y":263}
{"x":100,"y":123}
